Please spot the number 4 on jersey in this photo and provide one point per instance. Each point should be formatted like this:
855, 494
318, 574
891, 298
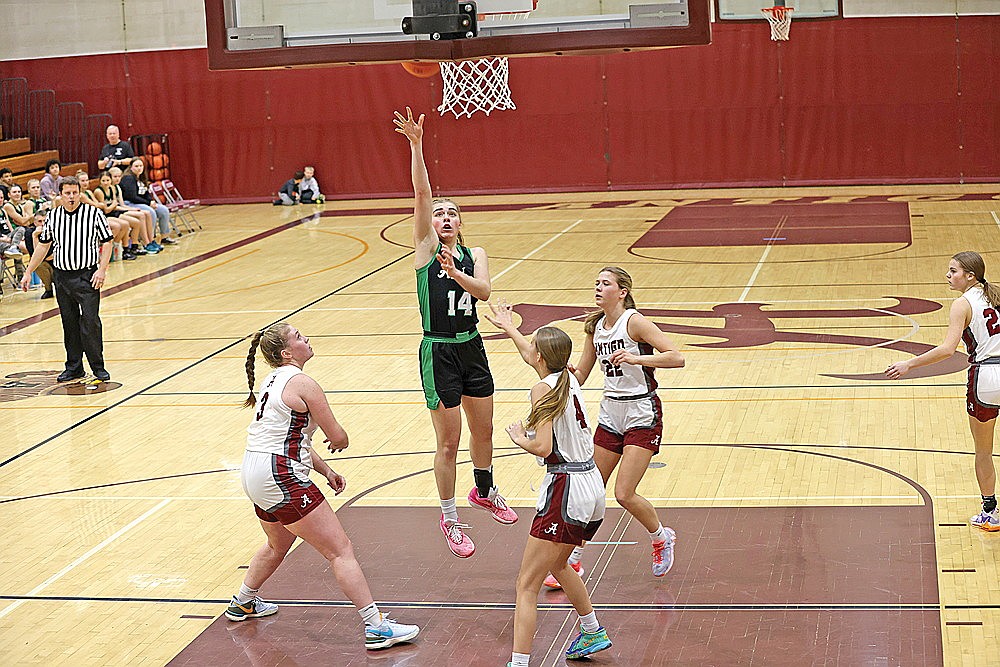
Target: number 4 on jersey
464, 303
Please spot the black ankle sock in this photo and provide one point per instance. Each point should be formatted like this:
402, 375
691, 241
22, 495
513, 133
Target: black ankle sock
989, 503
484, 480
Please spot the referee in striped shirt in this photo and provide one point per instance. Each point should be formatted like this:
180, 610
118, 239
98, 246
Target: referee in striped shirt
80, 239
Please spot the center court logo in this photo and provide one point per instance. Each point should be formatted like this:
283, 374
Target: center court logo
29, 384
748, 325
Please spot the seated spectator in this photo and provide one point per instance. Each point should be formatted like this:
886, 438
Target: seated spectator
8, 244
50, 181
8, 227
18, 212
116, 153
309, 189
289, 192
135, 192
43, 270
108, 197
18, 209
6, 180
119, 228
35, 196
146, 233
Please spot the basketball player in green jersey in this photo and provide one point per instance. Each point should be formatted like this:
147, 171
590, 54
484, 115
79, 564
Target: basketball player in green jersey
453, 367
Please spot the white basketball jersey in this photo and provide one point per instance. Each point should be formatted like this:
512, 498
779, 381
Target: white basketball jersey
625, 379
276, 428
982, 336
571, 437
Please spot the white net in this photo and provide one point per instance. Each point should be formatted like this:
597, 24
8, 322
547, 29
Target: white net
780, 19
469, 86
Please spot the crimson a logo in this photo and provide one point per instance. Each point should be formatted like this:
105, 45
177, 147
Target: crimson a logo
747, 325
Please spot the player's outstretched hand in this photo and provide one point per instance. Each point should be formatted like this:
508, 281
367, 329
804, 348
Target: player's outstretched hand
413, 129
501, 315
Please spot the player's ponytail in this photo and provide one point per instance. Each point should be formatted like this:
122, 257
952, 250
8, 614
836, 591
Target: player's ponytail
271, 341
254, 342
555, 346
991, 293
624, 281
972, 262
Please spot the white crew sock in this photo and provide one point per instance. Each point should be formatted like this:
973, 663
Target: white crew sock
589, 623
371, 615
449, 510
246, 594
576, 556
660, 535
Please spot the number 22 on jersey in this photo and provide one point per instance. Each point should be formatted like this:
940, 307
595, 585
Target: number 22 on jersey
992, 325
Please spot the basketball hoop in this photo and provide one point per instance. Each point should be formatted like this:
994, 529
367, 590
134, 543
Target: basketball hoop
780, 19
475, 85
483, 84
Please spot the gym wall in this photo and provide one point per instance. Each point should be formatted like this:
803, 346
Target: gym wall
860, 100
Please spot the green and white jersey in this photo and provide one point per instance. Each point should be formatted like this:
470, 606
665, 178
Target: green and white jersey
447, 311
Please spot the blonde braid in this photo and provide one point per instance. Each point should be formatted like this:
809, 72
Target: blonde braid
254, 342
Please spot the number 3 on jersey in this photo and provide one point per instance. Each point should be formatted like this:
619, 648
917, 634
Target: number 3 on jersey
263, 402
464, 303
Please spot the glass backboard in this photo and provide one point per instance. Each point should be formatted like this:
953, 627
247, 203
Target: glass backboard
245, 34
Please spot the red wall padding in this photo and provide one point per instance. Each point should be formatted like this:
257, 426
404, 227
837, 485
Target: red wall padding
900, 100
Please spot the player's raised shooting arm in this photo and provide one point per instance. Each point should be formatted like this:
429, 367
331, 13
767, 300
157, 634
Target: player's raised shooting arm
424, 237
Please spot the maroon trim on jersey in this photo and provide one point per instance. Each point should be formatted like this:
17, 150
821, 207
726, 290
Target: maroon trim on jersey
646, 348
300, 496
970, 343
553, 524
554, 456
976, 408
293, 439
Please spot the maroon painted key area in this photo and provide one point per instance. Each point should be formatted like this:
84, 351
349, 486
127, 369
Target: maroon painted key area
724, 224
765, 585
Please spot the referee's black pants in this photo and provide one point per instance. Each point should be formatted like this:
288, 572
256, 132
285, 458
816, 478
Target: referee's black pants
79, 303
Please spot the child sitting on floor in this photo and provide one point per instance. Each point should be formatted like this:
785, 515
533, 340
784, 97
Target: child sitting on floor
289, 192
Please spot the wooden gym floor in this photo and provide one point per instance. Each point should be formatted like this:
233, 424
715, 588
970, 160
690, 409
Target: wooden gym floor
821, 510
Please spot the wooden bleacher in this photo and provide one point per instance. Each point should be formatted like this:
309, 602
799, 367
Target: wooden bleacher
16, 155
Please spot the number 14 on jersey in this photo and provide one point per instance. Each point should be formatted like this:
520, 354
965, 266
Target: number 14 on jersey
464, 303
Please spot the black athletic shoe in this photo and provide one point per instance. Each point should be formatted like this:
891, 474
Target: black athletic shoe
69, 376
47, 294
102, 375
